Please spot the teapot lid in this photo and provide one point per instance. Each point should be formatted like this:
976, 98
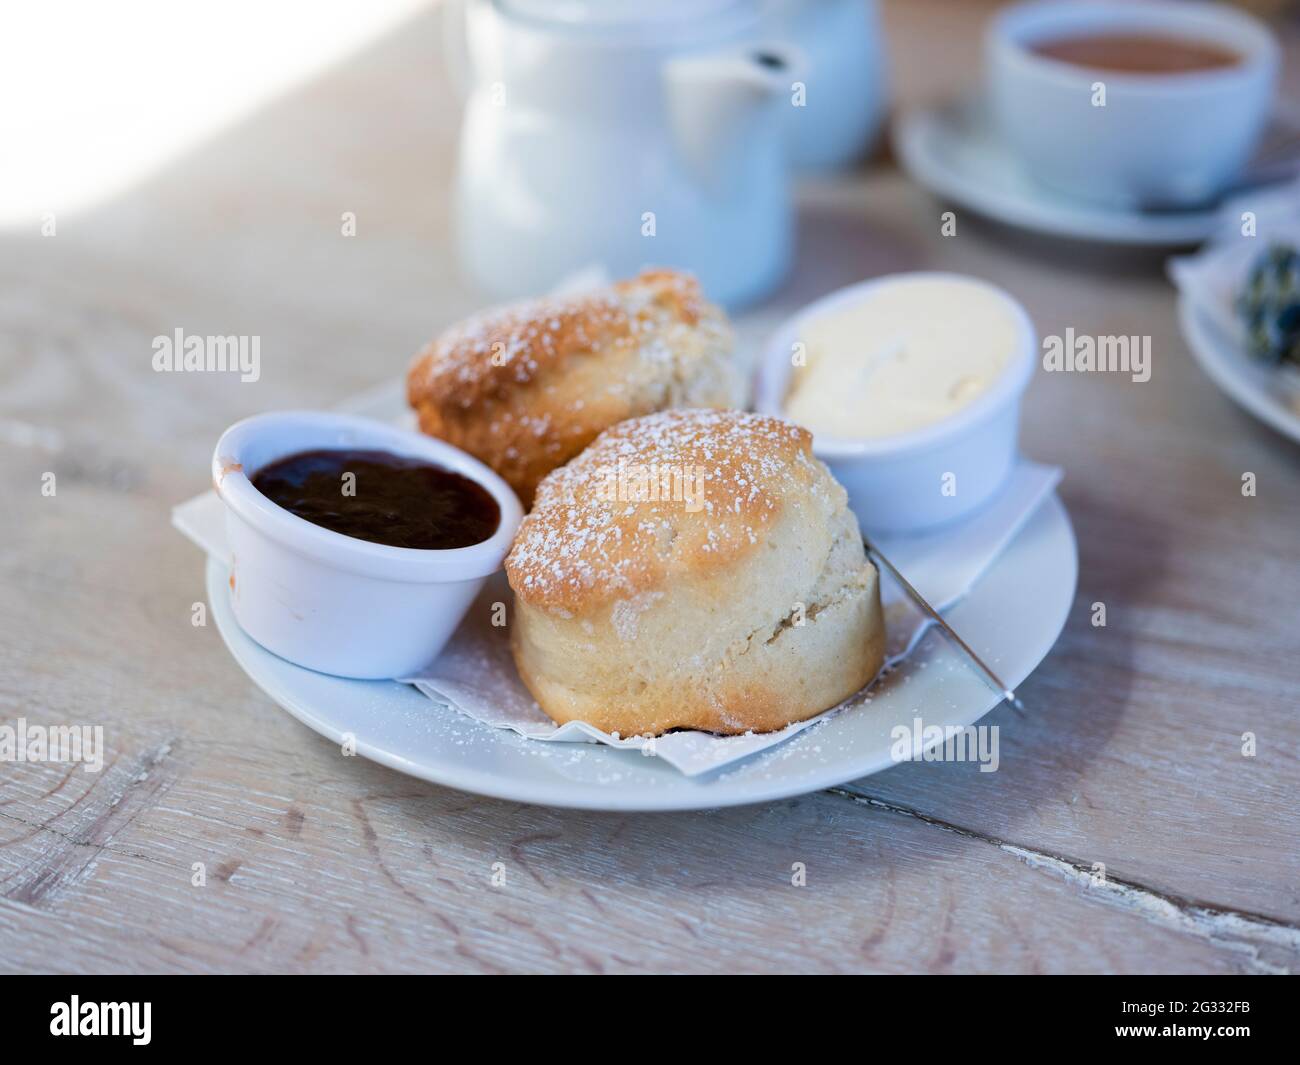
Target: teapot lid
623, 14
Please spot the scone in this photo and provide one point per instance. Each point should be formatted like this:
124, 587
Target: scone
528, 386
693, 569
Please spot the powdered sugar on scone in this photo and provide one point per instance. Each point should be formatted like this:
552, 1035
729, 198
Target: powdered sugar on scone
653, 497
525, 387
693, 569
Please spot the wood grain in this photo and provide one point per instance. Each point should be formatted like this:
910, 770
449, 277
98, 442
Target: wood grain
1130, 755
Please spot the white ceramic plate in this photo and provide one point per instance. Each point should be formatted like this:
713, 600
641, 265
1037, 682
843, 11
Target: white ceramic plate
1269, 395
953, 151
1012, 617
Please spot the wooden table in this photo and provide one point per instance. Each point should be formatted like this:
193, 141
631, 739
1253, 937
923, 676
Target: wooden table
1131, 755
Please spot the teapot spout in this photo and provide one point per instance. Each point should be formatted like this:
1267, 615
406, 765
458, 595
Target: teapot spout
717, 101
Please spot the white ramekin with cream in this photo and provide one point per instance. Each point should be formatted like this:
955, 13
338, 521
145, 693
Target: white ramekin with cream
911, 385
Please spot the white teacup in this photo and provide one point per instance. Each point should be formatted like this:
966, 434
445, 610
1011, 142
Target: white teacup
1157, 140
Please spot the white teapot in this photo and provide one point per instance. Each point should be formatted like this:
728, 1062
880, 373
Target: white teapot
618, 134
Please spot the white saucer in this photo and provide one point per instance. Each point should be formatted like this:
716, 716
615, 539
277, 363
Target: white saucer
954, 152
1264, 392
1012, 618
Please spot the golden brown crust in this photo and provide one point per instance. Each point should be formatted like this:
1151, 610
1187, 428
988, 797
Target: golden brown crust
486, 356
594, 535
528, 386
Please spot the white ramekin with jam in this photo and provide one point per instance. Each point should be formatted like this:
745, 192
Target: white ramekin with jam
356, 547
